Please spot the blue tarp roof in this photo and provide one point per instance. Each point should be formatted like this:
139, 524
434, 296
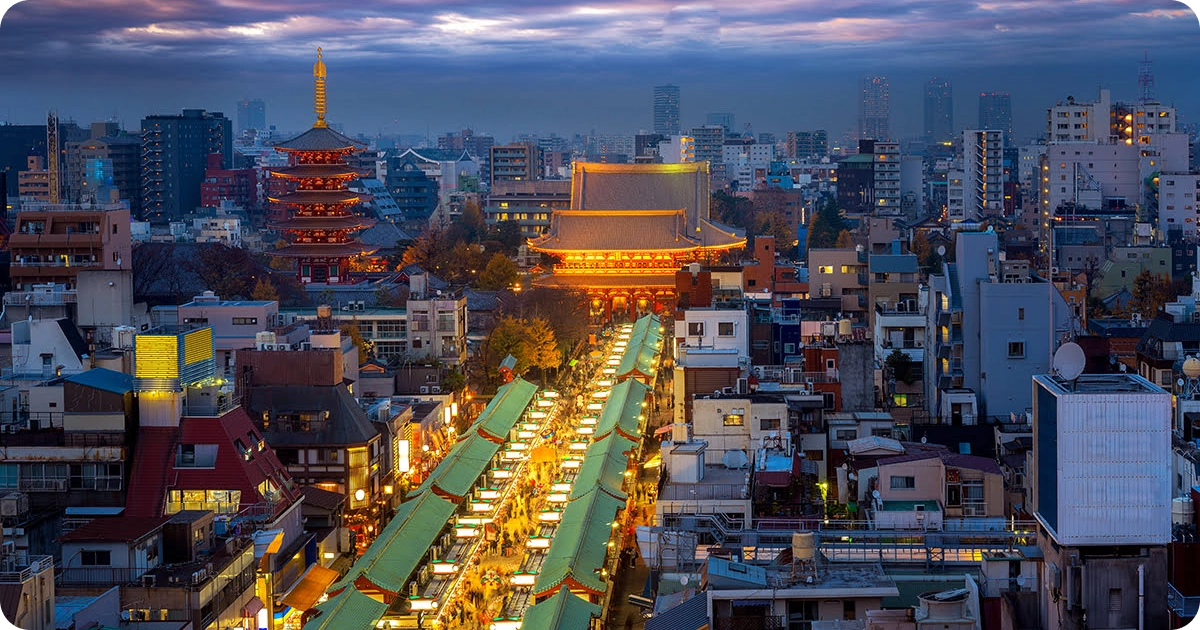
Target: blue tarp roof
104, 379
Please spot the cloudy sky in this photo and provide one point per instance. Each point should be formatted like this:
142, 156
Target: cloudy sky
512, 66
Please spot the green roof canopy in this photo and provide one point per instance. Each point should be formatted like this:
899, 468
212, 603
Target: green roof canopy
580, 544
462, 466
348, 610
501, 415
564, 611
603, 468
623, 409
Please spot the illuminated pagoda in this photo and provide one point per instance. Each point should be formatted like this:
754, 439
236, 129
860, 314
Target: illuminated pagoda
630, 227
320, 222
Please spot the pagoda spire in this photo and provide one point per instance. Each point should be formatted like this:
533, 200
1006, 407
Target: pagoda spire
319, 90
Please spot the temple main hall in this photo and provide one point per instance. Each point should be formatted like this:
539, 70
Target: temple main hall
629, 228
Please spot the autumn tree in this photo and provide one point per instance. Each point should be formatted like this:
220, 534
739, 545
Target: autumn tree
1150, 292
844, 240
927, 258
540, 347
264, 290
500, 273
365, 349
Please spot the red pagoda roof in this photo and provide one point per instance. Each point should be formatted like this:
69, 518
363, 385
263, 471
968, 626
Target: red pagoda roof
302, 171
326, 250
320, 139
326, 197
346, 222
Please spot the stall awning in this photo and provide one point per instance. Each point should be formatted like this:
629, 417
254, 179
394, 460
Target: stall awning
309, 588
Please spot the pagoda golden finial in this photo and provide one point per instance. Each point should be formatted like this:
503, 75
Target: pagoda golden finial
319, 90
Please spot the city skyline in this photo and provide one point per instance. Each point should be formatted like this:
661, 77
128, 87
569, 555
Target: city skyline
552, 67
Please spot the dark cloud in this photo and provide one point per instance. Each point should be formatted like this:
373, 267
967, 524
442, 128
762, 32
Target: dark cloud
541, 65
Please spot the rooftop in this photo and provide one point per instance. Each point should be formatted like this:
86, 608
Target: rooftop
1099, 384
117, 529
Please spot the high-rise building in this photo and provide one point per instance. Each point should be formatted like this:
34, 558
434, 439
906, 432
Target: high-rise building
666, 110
939, 111
251, 114
983, 174
803, 145
995, 112
874, 110
516, 162
175, 150
725, 119
710, 145
885, 194
109, 161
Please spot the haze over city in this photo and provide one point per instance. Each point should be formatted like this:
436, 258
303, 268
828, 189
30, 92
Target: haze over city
512, 67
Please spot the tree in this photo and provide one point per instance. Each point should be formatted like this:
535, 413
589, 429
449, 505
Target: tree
844, 240
1150, 292
500, 273
825, 226
508, 233
364, 347
927, 258
264, 290
540, 347
901, 366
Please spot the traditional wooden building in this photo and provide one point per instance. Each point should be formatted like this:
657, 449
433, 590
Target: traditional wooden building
630, 227
320, 219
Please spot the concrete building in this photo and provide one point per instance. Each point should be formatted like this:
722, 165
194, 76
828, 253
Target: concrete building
251, 114
988, 323
995, 113
803, 145
1177, 205
874, 110
529, 203
983, 175
52, 243
96, 166
33, 183
666, 109
239, 186
840, 274
677, 150
885, 192
939, 111
235, 324
1102, 497
515, 162
709, 146
896, 320
175, 150
27, 591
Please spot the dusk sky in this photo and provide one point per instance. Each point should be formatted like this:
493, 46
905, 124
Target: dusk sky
512, 66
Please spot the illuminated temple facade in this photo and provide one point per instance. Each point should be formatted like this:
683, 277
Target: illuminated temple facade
629, 228
320, 220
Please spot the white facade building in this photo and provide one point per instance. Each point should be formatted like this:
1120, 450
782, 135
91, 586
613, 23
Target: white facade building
677, 150
1177, 208
887, 179
983, 173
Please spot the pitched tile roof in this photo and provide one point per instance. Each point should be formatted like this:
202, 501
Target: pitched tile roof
347, 423
617, 230
321, 139
323, 499
580, 545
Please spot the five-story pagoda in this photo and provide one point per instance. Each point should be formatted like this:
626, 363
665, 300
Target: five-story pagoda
320, 221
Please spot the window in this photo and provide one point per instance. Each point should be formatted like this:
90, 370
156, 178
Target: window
95, 558
814, 456
825, 269
903, 483
1021, 314
245, 321
725, 329
734, 420
1016, 349
846, 434
830, 400
884, 433
695, 328
769, 424
9, 476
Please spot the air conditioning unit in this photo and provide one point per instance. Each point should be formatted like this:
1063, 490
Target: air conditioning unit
424, 389
149, 581
743, 385
910, 306
920, 344
10, 547
435, 389
307, 345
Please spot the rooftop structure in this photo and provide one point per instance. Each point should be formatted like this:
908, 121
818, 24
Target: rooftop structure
322, 220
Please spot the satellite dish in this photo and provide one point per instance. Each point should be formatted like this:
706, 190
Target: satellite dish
924, 440
875, 494
1069, 361
1179, 382
1021, 581
1191, 367
941, 250
735, 459
683, 579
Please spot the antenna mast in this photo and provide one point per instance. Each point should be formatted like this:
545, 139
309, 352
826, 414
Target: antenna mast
52, 155
1146, 80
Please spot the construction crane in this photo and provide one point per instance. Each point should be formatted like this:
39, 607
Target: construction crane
52, 169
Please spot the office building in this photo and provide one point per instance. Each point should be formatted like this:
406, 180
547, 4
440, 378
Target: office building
251, 114
709, 146
110, 162
1101, 470
666, 110
239, 186
1177, 205
175, 150
995, 113
874, 109
516, 162
939, 111
530, 203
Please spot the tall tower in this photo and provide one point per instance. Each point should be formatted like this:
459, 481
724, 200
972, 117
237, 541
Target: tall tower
939, 110
1146, 80
995, 113
874, 110
321, 221
666, 110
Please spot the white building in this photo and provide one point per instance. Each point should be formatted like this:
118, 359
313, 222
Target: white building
983, 173
955, 203
1029, 159
716, 328
887, 179
1177, 208
677, 150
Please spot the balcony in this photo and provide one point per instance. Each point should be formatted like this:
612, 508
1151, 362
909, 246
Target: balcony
20, 568
1182, 605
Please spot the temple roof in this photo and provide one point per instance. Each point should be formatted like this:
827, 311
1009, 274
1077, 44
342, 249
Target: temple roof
345, 222
317, 250
604, 187
327, 197
299, 171
618, 230
320, 139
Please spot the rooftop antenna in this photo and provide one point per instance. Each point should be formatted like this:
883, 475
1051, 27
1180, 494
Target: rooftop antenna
1146, 80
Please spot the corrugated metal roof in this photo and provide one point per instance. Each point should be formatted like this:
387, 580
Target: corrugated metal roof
893, 263
104, 379
348, 610
690, 615
394, 555
580, 544
564, 611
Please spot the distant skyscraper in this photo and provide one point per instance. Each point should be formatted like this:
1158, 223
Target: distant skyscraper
175, 150
874, 111
995, 112
806, 144
725, 119
251, 114
939, 111
666, 110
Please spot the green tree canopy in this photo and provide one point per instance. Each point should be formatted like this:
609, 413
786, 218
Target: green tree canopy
500, 273
1150, 292
825, 227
